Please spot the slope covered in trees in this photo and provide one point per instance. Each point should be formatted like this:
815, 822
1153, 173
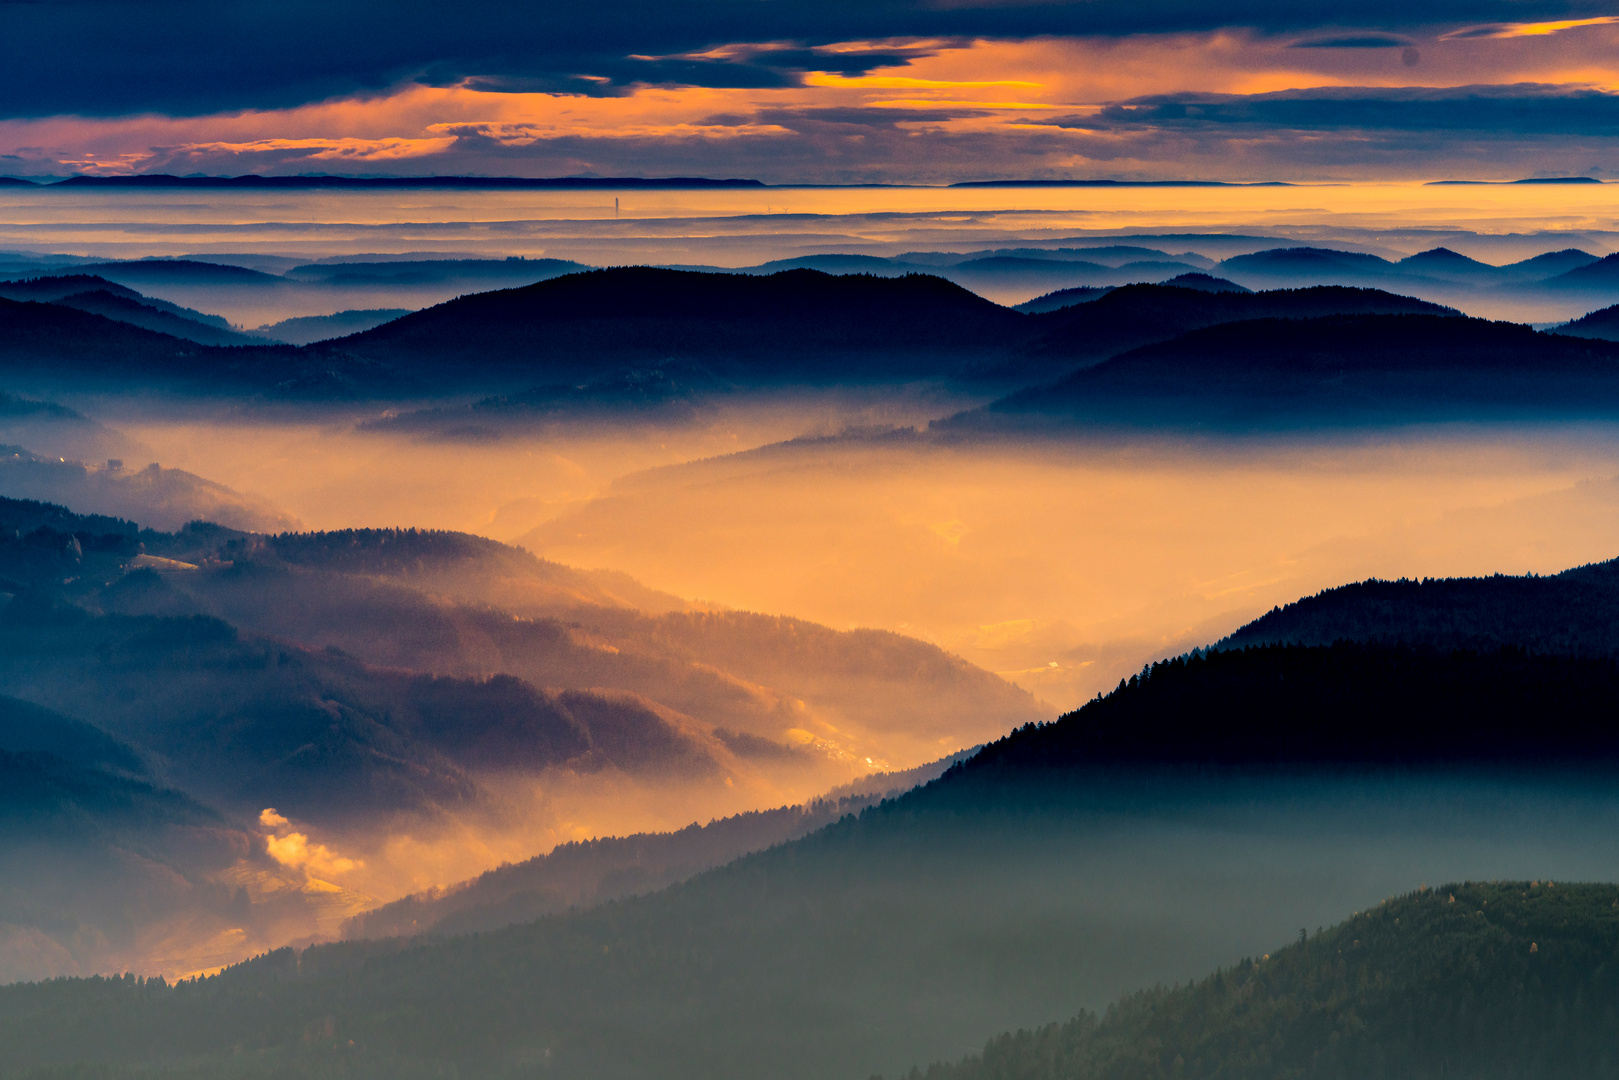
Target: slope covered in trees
370, 680
1062, 867
590, 872
1574, 613
1502, 980
794, 326
1338, 369
1138, 315
1603, 324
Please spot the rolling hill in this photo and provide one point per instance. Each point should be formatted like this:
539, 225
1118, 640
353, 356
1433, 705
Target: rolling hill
591, 872
1573, 613
1309, 266
794, 326
1338, 369
375, 683
1602, 324
1511, 980
1137, 315
1058, 869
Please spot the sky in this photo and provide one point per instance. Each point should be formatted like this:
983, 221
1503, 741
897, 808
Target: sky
837, 91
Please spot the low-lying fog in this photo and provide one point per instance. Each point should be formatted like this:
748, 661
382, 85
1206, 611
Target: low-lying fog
1061, 565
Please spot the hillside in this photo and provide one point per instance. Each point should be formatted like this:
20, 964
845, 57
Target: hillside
484, 273
590, 872
1367, 704
1603, 323
373, 683
1043, 877
1598, 275
793, 326
1574, 613
1309, 265
1505, 980
61, 346
646, 340
136, 272
97, 854
149, 317
1139, 315
1062, 298
45, 337
1339, 369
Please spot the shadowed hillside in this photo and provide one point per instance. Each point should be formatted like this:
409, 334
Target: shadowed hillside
1046, 875
1138, 315
377, 683
1506, 980
798, 325
592, 872
1603, 324
1574, 613
1340, 369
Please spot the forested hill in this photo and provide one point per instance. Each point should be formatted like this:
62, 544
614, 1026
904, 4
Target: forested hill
1498, 981
1347, 703
1574, 613
1352, 369
1045, 876
791, 326
1136, 315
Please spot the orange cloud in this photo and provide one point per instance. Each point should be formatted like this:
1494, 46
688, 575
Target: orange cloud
295, 850
331, 149
985, 89
1540, 29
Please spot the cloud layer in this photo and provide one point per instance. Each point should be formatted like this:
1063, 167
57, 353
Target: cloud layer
886, 90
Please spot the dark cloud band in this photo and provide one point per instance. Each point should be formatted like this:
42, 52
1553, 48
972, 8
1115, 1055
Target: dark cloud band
189, 57
1503, 110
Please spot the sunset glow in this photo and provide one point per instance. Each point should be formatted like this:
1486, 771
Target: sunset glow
966, 102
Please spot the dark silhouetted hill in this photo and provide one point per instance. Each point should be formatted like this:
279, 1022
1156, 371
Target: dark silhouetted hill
1055, 301
1510, 980
1603, 325
1205, 283
27, 728
54, 287
1601, 274
1367, 704
178, 272
1310, 266
47, 337
800, 325
1573, 613
59, 345
1548, 264
307, 329
150, 317
1340, 369
59, 287
1136, 315
484, 272
1443, 264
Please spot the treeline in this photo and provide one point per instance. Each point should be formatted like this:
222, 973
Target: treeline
386, 551
1574, 613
